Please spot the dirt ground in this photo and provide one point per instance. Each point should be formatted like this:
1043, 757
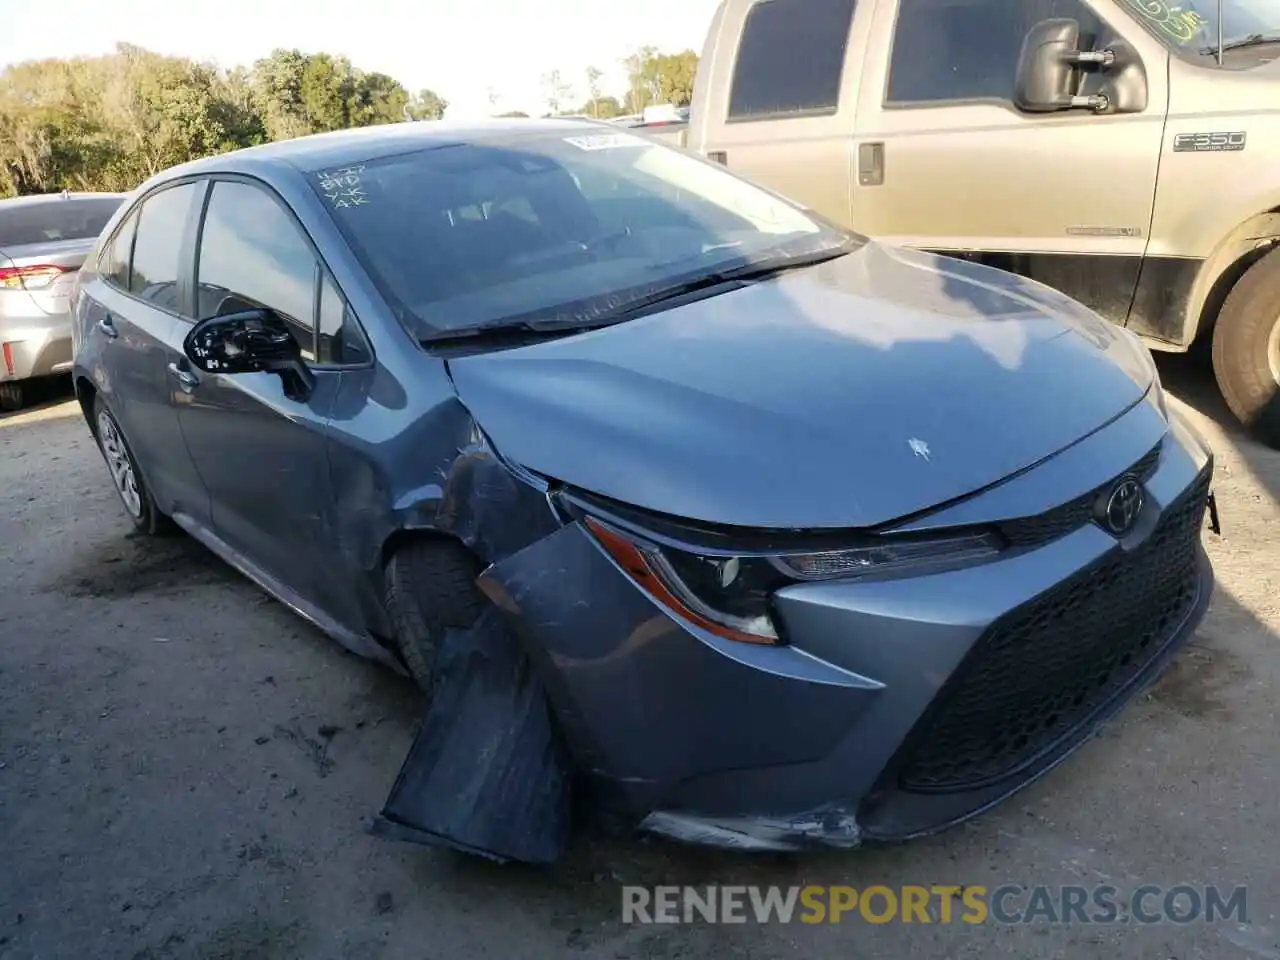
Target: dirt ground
187, 770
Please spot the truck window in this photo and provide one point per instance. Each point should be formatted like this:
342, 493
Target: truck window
968, 49
790, 58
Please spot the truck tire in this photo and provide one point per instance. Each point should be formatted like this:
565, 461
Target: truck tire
1246, 349
429, 587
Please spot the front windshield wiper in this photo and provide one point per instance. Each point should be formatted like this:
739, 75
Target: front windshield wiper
1253, 40
516, 332
513, 333
752, 270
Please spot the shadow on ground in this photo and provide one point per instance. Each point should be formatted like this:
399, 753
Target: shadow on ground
43, 394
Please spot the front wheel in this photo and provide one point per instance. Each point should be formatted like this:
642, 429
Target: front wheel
429, 588
1246, 349
125, 476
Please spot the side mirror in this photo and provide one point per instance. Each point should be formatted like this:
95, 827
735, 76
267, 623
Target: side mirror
249, 341
1047, 69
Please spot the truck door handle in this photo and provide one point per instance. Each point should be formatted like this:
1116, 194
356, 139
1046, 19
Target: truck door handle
186, 379
107, 327
871, 164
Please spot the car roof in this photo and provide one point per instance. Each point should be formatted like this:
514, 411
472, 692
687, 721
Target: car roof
36, 198
322, 151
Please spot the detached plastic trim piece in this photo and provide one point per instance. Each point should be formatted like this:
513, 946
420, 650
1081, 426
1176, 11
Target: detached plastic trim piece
487, 774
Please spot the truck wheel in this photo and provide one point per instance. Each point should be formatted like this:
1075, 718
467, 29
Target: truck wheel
1246, 349
429, 586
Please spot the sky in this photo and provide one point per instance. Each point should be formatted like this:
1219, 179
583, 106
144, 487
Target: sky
462, 49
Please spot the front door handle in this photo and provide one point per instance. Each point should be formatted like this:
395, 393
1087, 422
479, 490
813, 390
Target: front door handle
186, 379
107, 327
871, 164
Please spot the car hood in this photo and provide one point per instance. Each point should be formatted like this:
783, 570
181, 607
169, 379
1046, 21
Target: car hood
848, 394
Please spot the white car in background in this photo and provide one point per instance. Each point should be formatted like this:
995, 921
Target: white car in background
43, 241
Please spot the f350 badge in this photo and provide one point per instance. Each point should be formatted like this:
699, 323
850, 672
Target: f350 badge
1209, 142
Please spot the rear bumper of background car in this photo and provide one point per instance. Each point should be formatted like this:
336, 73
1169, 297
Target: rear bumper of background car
898, 707
35, 346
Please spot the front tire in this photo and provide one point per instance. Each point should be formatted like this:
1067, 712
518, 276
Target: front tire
1246, 350
429, 587
126, 478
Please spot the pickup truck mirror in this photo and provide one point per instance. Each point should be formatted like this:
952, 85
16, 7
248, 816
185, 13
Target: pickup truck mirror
1047, 68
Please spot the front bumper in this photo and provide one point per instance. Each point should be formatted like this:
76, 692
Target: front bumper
899, 707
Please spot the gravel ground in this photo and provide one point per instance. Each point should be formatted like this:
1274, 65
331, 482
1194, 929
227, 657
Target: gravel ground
186, 770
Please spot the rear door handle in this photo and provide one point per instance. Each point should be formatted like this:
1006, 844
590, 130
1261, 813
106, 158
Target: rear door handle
108, 327
186, 379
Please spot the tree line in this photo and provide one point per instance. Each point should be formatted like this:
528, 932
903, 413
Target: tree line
109, 122
653, 77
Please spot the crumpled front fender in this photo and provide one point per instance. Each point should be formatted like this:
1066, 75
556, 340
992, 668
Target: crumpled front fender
644, 701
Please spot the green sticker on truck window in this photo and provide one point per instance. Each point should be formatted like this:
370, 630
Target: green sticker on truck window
1177, 21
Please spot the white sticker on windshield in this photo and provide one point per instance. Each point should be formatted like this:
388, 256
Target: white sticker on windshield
606, 141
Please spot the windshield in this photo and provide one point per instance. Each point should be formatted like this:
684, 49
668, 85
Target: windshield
551, 226
57, 218
1193, 24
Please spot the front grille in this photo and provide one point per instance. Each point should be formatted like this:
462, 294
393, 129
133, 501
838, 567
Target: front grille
1040, 671
1058, 522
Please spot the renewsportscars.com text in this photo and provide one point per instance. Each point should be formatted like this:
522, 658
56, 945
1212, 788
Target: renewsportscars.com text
936, 904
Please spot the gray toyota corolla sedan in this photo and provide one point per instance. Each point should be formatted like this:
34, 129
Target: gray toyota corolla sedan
806, 539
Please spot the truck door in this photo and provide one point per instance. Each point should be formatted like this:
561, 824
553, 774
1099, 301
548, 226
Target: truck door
774, 99
946, 162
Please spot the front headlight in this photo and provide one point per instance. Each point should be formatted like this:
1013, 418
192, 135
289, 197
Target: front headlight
730, 593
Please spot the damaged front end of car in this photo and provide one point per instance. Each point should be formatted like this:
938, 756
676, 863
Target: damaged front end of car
790, 689
533, 707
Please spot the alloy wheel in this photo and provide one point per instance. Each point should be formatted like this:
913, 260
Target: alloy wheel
120, 463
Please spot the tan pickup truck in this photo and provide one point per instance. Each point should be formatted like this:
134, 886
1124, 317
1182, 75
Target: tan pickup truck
1126, 152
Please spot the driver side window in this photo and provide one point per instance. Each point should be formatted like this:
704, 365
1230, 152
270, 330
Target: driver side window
968, 49
252, 255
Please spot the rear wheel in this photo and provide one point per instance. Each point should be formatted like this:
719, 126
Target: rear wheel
1246, 349
125, 476
12, 395
430, 587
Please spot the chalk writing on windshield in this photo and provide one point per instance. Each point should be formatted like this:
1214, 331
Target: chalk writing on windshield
1173, 20
342, 187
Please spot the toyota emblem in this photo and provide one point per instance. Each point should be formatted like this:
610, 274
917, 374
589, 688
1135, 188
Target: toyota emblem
1119, 511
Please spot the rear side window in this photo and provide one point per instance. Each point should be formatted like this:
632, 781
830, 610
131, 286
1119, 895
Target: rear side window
58, 218
114, 264
968, 49
790, 59
157, 249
